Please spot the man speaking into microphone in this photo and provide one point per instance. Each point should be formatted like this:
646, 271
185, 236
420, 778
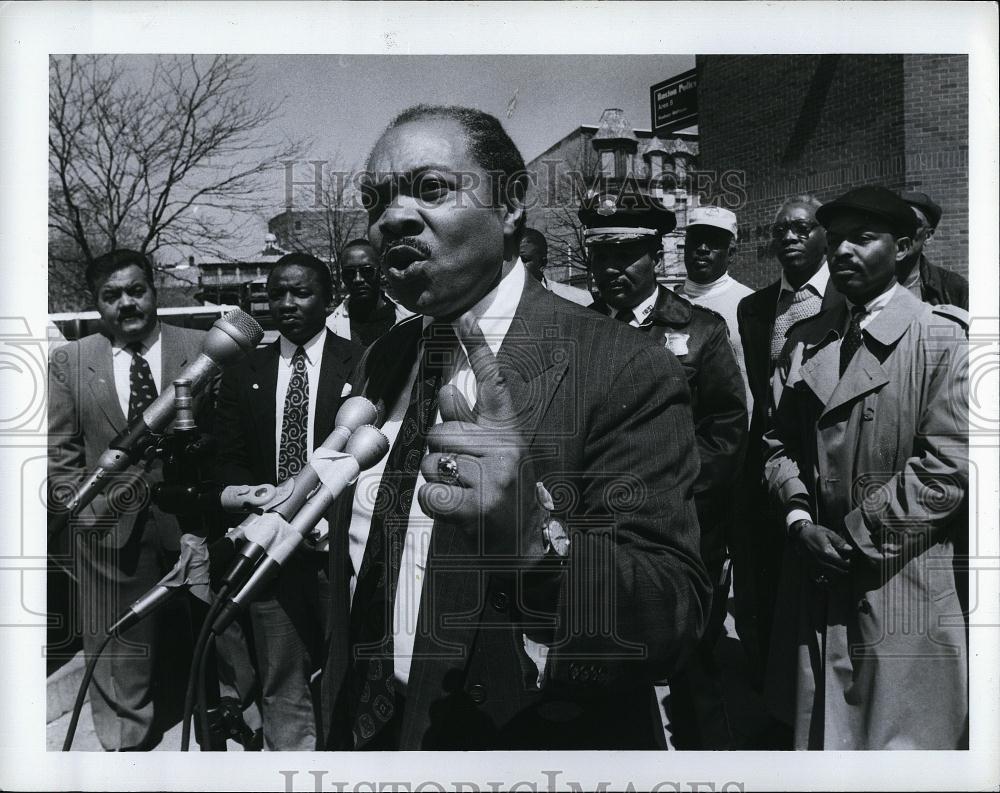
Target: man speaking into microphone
524, 563
123, 544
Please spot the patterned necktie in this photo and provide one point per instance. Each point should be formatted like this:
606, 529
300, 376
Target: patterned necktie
853, 340
792, 307
142, 387
625, 315
292, 454
372, 683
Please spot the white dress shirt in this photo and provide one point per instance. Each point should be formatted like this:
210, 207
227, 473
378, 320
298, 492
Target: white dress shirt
641, 312
121, 365
817, 283
314, 358
874, 306
494, 313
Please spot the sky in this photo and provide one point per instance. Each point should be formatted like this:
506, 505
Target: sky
340, 103
344, 101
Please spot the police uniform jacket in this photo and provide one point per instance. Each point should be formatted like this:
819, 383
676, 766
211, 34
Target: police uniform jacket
699, 338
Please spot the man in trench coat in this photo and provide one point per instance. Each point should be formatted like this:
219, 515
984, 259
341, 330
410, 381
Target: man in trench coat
868, 457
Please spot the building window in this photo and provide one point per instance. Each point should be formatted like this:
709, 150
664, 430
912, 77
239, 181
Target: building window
298, 225
608, 163
623, 164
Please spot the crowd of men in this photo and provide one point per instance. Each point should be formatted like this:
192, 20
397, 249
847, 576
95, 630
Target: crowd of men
575, 481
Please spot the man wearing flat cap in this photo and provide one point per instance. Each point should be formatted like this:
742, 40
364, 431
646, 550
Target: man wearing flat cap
623, 233
929, 282
868, 457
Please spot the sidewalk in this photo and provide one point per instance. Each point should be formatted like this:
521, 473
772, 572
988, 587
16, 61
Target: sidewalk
745, 709
62, 687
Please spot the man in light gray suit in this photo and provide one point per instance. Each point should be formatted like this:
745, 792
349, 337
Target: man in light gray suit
122, 545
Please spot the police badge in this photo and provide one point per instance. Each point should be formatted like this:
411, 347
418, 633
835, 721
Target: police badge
677, 343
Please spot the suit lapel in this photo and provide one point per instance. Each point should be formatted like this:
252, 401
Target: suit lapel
174, 356
863, 375
821, 356
759, 325
334, 370
262, 384
102, 385
536, 368
388, 364
533, 372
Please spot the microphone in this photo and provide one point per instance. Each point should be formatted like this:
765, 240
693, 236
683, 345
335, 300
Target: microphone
367, 446
294, 492
230, 338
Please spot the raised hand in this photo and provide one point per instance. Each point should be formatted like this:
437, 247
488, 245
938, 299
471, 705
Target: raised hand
477, 470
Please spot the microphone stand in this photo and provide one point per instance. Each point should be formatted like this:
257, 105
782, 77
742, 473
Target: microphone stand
183, 493
193, 499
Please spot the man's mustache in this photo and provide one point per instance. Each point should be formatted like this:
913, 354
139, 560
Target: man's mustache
410, 242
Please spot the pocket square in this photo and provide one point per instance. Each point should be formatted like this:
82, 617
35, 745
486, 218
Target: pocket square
346, 391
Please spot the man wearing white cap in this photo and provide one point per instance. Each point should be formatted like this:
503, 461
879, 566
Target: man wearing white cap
709, 240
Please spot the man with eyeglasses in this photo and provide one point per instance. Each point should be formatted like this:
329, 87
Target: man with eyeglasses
798, 242
925, 281
366, 313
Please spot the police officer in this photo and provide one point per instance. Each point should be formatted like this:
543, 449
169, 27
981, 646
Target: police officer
623, 232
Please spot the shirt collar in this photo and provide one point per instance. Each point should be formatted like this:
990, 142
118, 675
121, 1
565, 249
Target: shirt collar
148, 342
879, 302
817, 283
495, 311
313, 348
644, 309
700, 290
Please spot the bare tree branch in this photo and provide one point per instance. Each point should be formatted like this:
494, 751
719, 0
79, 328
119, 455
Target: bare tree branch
172, 153
576, 175
335, 216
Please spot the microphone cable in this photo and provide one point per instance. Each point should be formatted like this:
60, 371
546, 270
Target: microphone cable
81, 694
196, 673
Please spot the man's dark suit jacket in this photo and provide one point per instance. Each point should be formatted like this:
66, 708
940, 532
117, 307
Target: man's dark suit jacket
606, 417
245, 417
718, 405
85, 416
760, 553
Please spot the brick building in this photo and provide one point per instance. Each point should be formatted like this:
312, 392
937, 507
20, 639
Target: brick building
826, 123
